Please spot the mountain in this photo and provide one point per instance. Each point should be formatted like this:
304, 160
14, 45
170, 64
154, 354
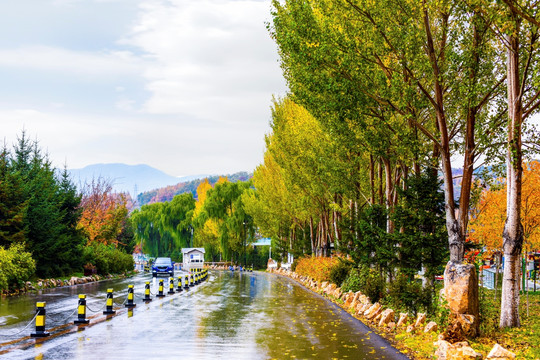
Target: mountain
134, 179
168, 192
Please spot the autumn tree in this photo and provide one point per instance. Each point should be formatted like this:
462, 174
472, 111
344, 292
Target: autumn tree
104, 212
488, 217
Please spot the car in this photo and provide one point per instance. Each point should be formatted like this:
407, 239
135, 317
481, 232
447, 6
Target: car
163, 266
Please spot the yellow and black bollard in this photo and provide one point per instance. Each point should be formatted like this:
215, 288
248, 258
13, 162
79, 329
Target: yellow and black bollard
40, 321
171, 286
147, 297
186, 283
179, 286
160, 289
130, 303
81, 311
109, 304
191, 282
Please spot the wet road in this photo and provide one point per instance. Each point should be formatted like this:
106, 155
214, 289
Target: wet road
231, 315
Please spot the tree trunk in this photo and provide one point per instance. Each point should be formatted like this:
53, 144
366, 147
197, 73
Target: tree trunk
388, 194
311, 238
513, 229
380, 173
372, 179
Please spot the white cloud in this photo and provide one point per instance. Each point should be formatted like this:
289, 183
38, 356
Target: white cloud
187, 88
212, 58
87, 64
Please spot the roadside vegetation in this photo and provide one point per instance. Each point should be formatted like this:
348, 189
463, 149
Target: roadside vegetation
50, 229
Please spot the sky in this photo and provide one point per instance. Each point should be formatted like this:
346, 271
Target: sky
184, 86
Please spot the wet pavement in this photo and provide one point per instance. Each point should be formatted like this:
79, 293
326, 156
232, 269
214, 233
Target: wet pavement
230, 316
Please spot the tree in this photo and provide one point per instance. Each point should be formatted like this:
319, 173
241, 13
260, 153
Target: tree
488, 218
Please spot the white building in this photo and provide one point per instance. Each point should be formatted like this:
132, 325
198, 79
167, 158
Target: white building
193, 258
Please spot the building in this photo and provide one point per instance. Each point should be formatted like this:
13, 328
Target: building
193, 258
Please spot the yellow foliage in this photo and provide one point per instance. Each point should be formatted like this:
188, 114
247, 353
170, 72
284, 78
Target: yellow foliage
487, 220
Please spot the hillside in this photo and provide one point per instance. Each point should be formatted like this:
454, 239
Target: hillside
168, 192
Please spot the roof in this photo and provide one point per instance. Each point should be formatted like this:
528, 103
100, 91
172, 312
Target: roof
263, 242
188, 250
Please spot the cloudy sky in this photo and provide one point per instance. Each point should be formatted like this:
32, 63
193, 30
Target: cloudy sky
181, 85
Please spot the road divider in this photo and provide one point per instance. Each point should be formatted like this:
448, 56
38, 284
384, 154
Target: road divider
82, 306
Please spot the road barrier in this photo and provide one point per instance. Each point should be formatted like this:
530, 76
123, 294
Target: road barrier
160, 289
81, 311
40, 321
109, 303
130, 296
147, 297
179, 288
40, 316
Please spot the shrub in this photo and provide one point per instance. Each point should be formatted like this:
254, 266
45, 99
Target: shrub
408, 295
339, 272
107, 259
366, 280
16, 266
317, 268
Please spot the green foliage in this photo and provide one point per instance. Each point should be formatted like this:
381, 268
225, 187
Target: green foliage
16, 266
408, 295
41, 209
420, 217
107, 259
340, 271
366, 280
164, 228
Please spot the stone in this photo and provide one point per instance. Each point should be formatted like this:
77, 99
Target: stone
337, 293
403, 317
53, 282
461, 289
364, 299
500, 353
410, 328
73, 281
330, 289
420, 319
363, 307
391, 325
324, 284
468, 324
387, 316
457, 351
431, 326
373, 311
378, 317
349, 297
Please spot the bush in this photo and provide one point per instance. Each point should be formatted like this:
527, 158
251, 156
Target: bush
315, 267
339, 272
404, 294
16, 266
366, 280
107, 259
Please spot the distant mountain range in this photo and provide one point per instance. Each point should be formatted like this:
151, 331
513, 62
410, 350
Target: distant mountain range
134, 179
167, 193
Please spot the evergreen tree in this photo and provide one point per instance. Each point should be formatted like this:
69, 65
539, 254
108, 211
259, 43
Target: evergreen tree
12, 206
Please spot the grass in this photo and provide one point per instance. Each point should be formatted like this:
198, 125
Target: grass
523, 341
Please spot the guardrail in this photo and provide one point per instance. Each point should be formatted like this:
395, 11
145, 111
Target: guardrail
108, 309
